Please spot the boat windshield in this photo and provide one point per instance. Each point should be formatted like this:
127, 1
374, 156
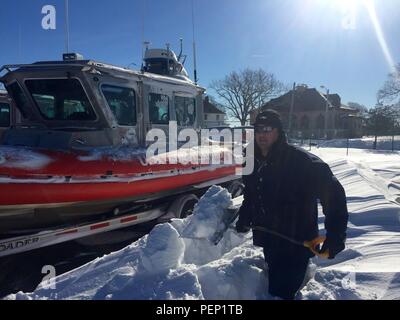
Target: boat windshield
61, 99
159, 66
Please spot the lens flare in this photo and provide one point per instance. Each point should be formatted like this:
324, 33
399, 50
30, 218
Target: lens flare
370, 6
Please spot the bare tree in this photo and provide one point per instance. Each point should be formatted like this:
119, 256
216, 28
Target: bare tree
245, 91
391, 89
383, 120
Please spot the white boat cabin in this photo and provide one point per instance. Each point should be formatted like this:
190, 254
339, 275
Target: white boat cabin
78, 103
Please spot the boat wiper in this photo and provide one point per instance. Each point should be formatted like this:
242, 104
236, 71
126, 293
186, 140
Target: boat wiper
67, 128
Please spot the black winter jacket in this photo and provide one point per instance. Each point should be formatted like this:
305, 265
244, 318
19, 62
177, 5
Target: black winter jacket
282, 192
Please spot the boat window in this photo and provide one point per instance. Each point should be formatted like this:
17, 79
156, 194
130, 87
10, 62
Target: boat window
122, 103
61, 99
157, 66
185, 111
20, 98
158, 108
4, 114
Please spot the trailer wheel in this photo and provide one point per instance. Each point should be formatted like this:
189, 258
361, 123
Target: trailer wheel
183, 206
236, 188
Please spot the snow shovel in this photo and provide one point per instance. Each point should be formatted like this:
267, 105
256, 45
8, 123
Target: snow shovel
230, 216
310, 244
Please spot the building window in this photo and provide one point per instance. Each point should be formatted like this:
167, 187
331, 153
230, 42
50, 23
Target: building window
294, 122
305, 123
217, 117
158, 108
206, 117
320, 122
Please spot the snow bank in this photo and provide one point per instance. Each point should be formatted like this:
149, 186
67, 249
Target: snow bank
174, 261
383, 143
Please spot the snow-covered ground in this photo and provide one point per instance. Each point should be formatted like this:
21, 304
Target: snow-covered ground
175, 261
383, 143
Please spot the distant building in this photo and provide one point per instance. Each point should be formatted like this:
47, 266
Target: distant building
309, 111
213, 116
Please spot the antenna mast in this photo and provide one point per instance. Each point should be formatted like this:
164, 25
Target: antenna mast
66, 26
194, 46
144, 43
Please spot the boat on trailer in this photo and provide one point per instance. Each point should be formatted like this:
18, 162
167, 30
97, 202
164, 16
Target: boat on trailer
78, 151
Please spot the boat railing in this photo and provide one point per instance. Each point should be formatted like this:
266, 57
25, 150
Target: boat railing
11, 67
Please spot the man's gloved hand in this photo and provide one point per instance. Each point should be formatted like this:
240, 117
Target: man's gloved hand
334, 245
240, 228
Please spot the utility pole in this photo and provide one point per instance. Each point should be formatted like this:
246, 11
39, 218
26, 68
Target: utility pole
326, 114
291, 110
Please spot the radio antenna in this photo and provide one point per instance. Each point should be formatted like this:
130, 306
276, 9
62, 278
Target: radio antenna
194, 46
66, 25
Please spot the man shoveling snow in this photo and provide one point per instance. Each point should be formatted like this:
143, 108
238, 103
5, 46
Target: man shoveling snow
280, 205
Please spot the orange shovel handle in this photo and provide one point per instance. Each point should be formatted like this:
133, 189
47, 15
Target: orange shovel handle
312, 245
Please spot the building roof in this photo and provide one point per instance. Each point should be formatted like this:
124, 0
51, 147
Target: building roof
305, 99
211, 108
348, 109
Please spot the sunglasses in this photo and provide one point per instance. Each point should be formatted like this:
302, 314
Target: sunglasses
263, 129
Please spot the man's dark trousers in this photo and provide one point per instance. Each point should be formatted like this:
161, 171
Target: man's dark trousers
286, 272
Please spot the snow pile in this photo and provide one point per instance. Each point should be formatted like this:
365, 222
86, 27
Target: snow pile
171, 263
163, 250
120, 153
176, 261
207, 214
199, 228
22, 158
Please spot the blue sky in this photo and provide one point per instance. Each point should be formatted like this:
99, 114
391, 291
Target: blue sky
303, 41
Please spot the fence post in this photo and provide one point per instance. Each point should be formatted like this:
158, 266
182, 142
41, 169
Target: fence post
393, 143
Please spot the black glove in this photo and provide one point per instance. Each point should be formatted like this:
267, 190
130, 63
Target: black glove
240, 228
334, 245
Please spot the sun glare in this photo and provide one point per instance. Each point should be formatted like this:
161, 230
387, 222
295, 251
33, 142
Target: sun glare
350, 9
369, 4
347, 4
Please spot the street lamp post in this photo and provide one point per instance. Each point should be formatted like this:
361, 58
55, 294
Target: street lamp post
291, 111
326, 112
